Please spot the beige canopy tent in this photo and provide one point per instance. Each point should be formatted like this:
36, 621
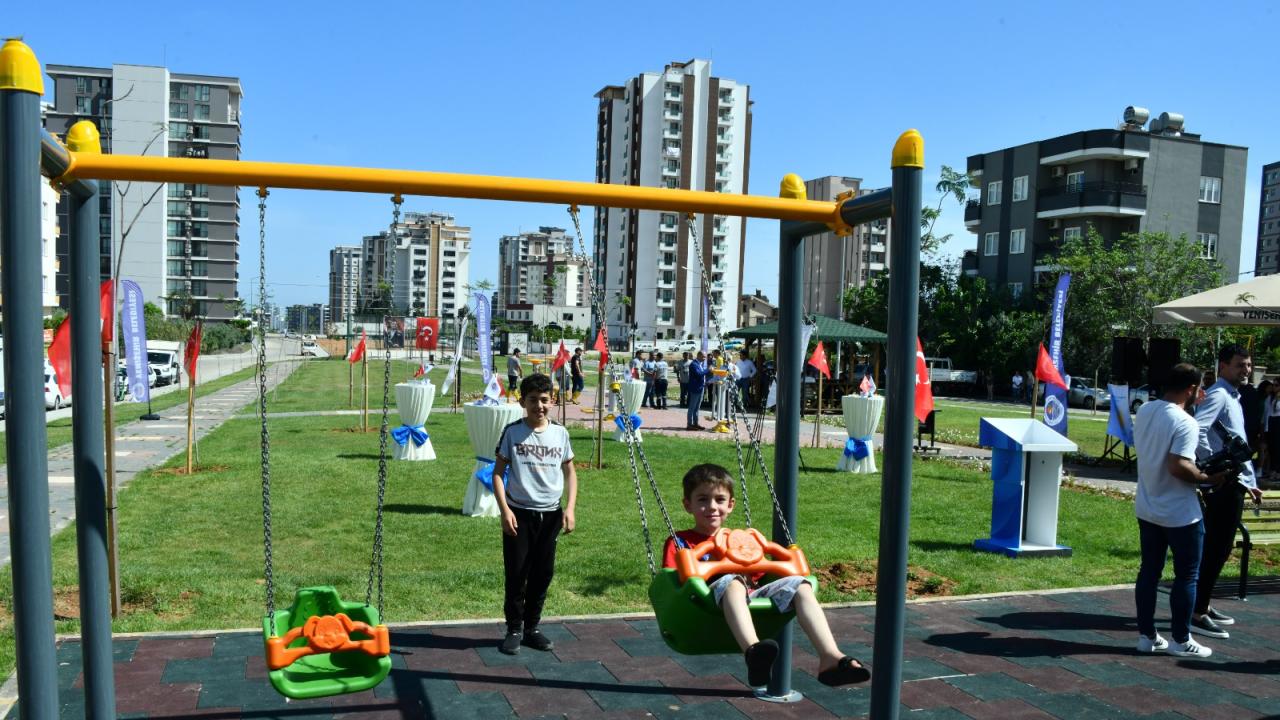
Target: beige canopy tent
1253, 302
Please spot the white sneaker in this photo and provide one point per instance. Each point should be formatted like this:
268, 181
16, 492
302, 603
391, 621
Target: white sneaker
1190, 648
1152, 645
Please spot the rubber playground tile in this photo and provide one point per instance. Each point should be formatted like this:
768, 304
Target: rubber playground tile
851, 701
1077, 705
708, 689
945, 713
645, 646
708, 665
604, 650
1137, 701
560, 702
664, 670
806, 709
175, 699
238, 645
993, 686
494, 679
175, 648
1008, 709
599, 631
477, 706
493, 657
1200, 692
922, 668
964, 664
925, 694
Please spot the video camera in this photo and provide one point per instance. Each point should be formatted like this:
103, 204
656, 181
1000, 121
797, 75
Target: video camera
1231, 458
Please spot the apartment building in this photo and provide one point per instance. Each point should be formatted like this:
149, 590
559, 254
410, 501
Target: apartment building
345, 262
540, 267
426, 268
1136, 178
756, 310
834, 263
678, 128
181, 244
308, 319
1267, 255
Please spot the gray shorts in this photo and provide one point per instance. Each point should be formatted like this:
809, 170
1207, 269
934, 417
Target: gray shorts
781, 591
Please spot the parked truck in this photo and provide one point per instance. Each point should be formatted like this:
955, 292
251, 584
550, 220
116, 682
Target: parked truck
165, 357
946, 379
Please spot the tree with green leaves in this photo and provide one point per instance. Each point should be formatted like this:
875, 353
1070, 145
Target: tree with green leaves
951, 184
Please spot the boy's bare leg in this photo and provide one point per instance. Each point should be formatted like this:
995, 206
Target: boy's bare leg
738, 616
814, 623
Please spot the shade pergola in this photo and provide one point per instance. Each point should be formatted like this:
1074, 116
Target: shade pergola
828, 329
1253, 302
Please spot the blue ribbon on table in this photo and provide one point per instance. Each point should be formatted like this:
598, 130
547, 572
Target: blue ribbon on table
635, 423
485, 474
856, 448
403, 433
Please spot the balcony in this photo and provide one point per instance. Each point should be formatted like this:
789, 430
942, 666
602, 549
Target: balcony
974, 167
1113, 199
672, 113
726, 100
671, 152
724, 138
1095, 145
724, 119
672, 171
973, 214
671, 132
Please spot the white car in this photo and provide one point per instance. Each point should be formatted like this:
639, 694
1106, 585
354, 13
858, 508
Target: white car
310, 348
53, 399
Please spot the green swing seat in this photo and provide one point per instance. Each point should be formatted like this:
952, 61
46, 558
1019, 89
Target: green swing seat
324, 674
692, 624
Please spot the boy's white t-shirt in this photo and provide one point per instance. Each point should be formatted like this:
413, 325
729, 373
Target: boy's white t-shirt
1161, 429
536, 480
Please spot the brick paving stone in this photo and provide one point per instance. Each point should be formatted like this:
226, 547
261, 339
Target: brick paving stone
924, 694
1008, 709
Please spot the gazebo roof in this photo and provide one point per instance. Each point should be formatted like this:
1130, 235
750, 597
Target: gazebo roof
828, 329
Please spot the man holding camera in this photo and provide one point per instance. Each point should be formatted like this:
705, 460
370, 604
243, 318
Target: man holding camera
1169, 514
1221, 421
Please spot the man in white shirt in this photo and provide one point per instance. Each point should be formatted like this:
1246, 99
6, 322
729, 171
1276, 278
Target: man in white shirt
746, 371
1168, 510
1016, 382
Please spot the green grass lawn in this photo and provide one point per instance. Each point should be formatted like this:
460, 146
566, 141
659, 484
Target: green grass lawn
191, 548
59, 431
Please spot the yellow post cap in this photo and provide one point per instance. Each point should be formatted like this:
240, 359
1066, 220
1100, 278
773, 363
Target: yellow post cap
792, 187
19, 69
909, 150
83, 138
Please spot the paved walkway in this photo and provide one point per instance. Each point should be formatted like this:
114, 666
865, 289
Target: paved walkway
1046, 655
141, 445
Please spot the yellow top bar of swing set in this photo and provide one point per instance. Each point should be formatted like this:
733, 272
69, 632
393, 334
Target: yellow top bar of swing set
87, 166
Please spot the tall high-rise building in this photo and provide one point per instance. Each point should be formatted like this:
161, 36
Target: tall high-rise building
1267, 256
540, 267
426, 270
344, 281
833, 263
307, 319
1160, 178
679, 128
182, 244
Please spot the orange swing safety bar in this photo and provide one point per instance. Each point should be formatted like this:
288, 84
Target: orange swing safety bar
740, 551
327, 634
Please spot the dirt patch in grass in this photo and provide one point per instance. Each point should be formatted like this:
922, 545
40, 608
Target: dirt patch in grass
182, 470
860, 577
66, 603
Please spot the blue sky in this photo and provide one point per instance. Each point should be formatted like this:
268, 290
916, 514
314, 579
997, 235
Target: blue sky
508, 90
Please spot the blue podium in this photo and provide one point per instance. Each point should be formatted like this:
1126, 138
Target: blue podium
1026, 469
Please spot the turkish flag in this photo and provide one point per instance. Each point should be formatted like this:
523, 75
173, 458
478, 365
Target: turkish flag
357, 352
603, 347
60, 356
192, 353
105, 298
924, 385
1046, 371
819, 361
562, 357
428, 334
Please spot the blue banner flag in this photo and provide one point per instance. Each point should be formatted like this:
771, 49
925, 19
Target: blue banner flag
1120, 425
484, 337
1055, 398
133, 325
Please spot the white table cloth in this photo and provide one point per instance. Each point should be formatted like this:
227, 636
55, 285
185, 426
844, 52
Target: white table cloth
632, 395
413, 400
861, 416
484, 427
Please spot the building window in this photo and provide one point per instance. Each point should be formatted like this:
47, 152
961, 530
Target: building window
1017, 241
994, 190
177, 248
992, 245
1020, 188
175, 267
1210, 189
202, 93
1015, 289
83, 105
1208, 245
179, 110
202, 111
1072, 233
1075, 181
82, 84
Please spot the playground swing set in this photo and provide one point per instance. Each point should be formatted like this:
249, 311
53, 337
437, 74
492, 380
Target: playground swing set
322, 645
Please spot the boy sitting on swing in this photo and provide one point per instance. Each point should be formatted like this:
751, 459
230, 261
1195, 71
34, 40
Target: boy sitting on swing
708, 497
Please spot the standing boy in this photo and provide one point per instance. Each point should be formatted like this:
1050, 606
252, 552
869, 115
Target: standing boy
660, 372
575, 370
514, 371
541, 461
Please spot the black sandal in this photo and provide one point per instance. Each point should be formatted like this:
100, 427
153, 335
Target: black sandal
760, 659
847, 672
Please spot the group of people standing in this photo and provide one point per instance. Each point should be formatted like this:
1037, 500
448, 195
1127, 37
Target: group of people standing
694, 373
1183, 509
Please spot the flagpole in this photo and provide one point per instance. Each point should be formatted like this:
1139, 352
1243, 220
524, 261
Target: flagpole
191, 412
1035, 390
351, 382
817, 419
364, 376
600, 418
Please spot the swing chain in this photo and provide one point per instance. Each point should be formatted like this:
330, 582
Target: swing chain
375, 562
595, 291
764, 470
633, 447
262, 403
742, 466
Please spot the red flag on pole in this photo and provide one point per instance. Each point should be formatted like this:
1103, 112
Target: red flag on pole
819, 361
924, 385
603, 347
1046, 371
357, 352
105, 298
562, 357
60, 356
421, 371
192, 353
428, 334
